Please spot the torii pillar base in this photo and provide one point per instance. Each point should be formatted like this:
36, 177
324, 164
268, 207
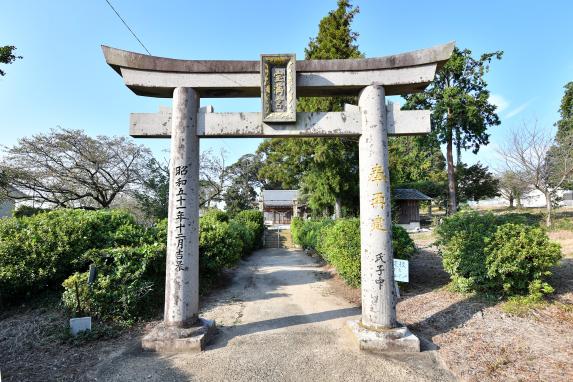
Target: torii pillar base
165, 339
395, 340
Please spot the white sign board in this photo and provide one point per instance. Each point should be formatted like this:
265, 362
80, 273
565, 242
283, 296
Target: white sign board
401, 270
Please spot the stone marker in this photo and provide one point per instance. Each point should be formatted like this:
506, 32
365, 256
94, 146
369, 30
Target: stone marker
80, 324
372, 120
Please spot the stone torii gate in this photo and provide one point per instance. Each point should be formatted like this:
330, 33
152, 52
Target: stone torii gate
278, 80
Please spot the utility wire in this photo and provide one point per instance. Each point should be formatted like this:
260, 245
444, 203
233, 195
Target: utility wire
127, 26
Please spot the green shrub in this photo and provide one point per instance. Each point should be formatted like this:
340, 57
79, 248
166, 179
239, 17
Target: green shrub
44, 249
495, 254
310, 232
462, 247
402, 244
295, 229
254, 220
25, 210
129, 283
339, 244
220, 245
518, 259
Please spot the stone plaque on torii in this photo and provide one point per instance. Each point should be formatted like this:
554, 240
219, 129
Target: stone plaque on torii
278, 80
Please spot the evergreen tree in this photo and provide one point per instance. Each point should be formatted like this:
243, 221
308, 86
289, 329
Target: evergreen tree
325, 169
565, 124
461, 111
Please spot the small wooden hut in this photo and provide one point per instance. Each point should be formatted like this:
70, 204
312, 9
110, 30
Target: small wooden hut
408, 203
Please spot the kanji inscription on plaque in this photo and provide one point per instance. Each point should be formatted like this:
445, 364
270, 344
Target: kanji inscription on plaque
278, 87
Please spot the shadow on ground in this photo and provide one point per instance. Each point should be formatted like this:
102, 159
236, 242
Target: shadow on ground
277, 323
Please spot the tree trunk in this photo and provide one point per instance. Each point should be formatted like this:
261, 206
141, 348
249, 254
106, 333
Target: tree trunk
548, 207
518, 198
510, 200
452, 205
338, 208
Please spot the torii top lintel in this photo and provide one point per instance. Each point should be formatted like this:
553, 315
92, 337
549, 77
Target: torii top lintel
154, 76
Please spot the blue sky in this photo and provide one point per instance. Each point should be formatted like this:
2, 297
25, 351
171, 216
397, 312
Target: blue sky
63, 79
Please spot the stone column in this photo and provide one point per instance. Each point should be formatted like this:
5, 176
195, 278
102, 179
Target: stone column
378, 295
182, 330
182, 274
377, 330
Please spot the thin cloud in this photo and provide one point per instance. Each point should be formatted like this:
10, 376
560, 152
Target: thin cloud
499, 101
518, 110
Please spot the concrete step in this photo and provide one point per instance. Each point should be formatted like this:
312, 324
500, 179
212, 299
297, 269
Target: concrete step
281, 239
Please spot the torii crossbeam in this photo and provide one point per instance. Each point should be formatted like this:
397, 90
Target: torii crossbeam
278, 79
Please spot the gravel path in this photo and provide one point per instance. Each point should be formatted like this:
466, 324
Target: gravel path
279, 319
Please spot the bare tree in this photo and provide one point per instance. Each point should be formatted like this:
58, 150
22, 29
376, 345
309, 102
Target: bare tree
68, 168
213, 177
512, 187
541, 162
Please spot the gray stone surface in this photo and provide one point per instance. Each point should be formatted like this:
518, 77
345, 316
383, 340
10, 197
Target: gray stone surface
157, 76
395, 340
347, 123
376, 258
166, 339
182, 263
279, 319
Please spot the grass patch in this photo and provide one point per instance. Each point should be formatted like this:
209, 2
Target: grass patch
521, 305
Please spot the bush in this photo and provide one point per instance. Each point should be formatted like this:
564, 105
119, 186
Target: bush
309, 232
220, 244
488, 253
42, 250
461, 240
296, 224
339, 244
519, 258
254, 220
129, 282
25, 210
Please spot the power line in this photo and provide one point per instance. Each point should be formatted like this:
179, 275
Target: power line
127, 26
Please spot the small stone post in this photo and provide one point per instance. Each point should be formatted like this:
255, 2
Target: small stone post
378, 329
181, 329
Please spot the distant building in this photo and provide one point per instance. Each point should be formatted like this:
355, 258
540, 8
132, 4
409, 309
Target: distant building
532, 198
279, 206
408, 203
8, 204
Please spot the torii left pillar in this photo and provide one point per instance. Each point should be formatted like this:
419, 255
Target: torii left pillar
182, 330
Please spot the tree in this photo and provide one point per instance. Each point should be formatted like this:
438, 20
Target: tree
153, 197
476, 182
415, 159
241, 194
325, 169
512, 186
68, 168
213, 178
565, 123
461, 111
527, 154
7, 56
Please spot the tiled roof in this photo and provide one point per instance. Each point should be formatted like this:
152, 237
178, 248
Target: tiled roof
279, 197
409, 194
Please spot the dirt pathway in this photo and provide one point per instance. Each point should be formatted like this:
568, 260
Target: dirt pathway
279, 320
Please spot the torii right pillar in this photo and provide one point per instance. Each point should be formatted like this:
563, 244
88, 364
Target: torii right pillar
378, 329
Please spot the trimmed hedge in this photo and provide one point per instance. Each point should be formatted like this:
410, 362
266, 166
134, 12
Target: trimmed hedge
40, 251
496, 254
131, 280
254, 221
338, 242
